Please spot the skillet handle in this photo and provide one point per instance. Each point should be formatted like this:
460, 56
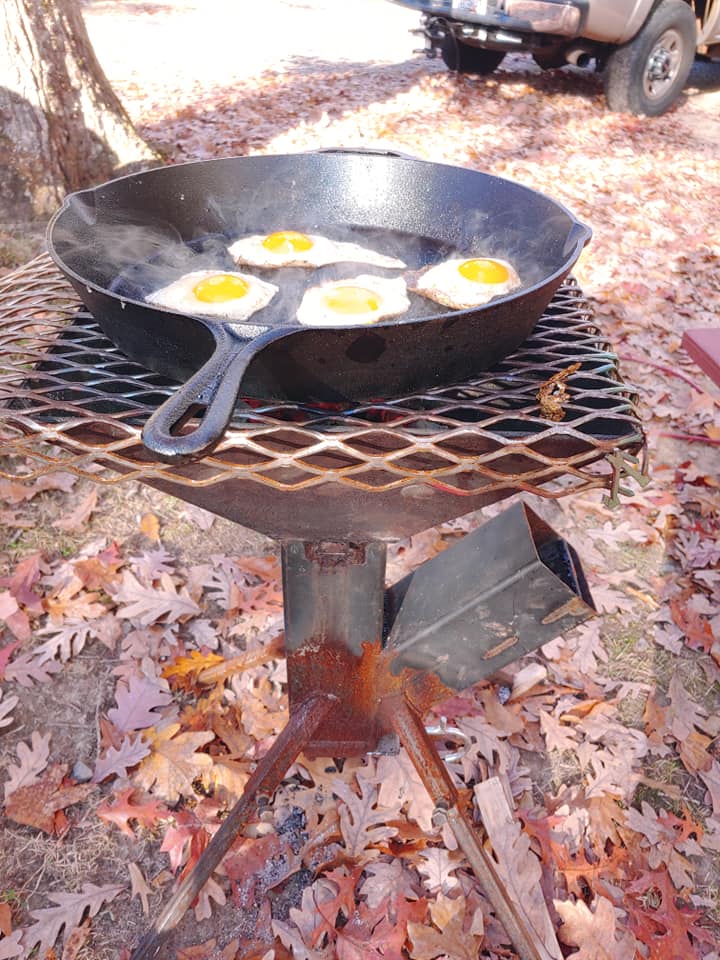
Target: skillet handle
215, 386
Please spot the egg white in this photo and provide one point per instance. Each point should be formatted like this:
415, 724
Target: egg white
392, 294
444, 284
179, 296
250, 251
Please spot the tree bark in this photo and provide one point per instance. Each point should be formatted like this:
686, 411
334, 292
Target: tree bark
62, 127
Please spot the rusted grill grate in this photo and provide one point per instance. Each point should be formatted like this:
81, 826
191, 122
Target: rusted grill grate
70, 400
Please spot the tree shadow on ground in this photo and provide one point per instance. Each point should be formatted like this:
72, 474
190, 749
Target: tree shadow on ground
248, 115
309, 92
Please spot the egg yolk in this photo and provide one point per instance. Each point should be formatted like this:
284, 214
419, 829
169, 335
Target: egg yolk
287, 241
483, 271
220, 287
351, 300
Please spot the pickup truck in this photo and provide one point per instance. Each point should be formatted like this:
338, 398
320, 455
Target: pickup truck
645, 48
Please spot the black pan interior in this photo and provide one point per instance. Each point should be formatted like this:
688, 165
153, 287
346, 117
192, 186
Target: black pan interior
138, 233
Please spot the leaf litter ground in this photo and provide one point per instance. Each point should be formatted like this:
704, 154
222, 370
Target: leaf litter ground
128, 725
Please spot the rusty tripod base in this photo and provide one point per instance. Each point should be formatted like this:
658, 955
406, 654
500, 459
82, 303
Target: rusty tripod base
350, 693
304, 720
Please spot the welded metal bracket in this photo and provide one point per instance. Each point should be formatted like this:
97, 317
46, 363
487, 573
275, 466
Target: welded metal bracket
499, 593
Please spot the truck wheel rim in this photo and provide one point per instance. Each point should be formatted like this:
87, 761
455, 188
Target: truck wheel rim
663, 65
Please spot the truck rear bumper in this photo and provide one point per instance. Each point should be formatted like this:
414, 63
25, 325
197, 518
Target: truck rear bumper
560, 18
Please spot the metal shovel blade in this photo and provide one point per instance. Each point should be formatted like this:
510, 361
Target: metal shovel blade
499, 593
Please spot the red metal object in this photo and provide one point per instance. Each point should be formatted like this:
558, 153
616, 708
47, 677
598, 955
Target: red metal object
704, 347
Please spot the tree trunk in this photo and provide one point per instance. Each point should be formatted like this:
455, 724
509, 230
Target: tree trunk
61, 125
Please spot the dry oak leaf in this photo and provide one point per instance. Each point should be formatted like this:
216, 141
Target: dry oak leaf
593, 931
558, 736
147, 813
375, 935
129, 754
436, 869
16, 620
150, 526
76, 940
21, 583
362, 825
660, 921
454, 941
664, 835
36, 805
80, 515
5, 653
33, 760
147, 605
387, 879
69, 911
6, 708
399, 784
187, 669
66, 641
173, 764
139, 886
5, 919
10, 946
136, 704
26, 670
14, 492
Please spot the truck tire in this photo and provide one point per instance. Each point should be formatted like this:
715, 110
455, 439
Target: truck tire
646, 75
463, 58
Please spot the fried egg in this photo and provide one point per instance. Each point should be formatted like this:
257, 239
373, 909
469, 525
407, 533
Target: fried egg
230, 296
349, 303
288, 248
467, 283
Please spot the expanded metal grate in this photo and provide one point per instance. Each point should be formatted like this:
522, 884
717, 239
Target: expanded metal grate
71, 400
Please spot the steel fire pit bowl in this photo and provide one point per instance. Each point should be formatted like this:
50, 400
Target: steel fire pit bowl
70, 400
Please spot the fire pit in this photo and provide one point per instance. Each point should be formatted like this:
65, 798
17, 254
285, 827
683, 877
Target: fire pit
334, 484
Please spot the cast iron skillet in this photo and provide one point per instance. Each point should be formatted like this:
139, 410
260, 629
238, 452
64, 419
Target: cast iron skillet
119, 241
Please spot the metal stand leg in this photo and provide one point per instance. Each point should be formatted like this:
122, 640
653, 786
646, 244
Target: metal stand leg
265, 779
433, 773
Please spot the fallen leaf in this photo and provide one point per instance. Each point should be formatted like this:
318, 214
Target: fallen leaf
149, 604
139, 887
6, 708
118, 761
593, 931
174, 764
11, 946
452, 941
76, 940
436, 868
69, 910
33, 760
147, 813
362, 824
77, 520
150, 526
137, 702
37, 804
26, 670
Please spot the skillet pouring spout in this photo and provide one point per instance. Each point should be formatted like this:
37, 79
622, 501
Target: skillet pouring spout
214, 389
